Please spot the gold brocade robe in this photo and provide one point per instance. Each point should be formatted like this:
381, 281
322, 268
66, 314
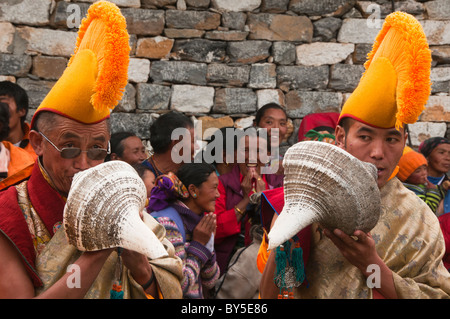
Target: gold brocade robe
55, 255
408, 239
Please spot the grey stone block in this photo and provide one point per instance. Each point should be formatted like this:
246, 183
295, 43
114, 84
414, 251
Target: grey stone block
283, 53
228, 75
200, 20
301, 103
302, 77
182, 72
234, 100
153, 96
200, 50
14, 64
263, 76
345, 77
249, 51
138, 123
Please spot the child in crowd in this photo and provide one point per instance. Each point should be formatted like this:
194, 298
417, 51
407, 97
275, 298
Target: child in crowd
148, 177
413, 172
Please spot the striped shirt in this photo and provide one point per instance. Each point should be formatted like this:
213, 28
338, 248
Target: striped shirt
431, 196
200, 268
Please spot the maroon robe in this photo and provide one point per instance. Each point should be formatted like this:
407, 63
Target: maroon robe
48, 204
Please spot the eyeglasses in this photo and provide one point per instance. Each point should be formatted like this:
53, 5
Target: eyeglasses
95, 154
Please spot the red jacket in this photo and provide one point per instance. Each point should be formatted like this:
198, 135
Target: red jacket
228, 228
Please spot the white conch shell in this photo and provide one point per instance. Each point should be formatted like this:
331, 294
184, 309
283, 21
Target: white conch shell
327, 185
102, 211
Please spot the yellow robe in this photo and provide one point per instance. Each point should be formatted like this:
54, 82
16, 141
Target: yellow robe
408, 239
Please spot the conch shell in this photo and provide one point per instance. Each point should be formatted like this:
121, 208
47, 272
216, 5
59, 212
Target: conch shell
327, 185
102, 211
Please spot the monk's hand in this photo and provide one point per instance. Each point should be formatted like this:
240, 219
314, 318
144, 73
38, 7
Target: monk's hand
138, 265
358, 249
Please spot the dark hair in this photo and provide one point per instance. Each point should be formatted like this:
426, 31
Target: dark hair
4, 121
324, 128
259, 115
117, 146
161, 130
345, 123
194, 173
19, 95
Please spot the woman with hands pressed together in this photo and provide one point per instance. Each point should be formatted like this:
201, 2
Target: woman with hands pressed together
184, 205
235, 188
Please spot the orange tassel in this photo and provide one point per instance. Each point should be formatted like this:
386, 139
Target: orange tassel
104, 32
403, 41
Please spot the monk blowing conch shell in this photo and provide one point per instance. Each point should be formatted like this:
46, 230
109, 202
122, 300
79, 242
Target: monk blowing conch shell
327, 185
103, 211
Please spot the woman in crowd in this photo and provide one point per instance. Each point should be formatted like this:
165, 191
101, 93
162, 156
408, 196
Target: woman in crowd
273, 118
184, 206
235, 189
146, 175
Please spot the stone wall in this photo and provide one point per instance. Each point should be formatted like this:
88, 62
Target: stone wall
220, 60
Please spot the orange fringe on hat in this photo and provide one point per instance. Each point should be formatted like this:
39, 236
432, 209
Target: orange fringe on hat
104, 32
408, 51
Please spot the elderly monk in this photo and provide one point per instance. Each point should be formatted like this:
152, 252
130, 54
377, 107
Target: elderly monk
406, 246
70, 133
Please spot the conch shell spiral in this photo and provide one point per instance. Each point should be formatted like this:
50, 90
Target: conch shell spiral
327, 185
102, 211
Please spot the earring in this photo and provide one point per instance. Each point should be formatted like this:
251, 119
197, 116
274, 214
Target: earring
195, 195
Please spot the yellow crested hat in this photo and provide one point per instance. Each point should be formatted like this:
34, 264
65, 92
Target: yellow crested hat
396, 83
97, 73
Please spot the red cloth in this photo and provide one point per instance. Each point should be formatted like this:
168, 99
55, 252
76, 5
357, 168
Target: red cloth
228, 228
48, 204
444, 221
311, 121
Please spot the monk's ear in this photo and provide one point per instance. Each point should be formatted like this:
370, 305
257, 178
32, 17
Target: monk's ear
340, 136
36, 141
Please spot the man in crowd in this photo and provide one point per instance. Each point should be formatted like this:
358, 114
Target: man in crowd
127, 147
17, 99
70, 133
167, 148
15, 163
